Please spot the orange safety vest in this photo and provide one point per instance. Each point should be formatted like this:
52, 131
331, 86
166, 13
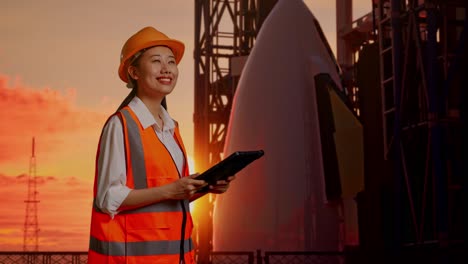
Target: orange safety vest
157, 233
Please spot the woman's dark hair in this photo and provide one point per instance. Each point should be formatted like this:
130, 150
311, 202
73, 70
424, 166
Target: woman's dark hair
132, 94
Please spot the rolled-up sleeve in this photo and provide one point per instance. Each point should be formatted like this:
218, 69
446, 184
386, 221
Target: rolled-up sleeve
111, 170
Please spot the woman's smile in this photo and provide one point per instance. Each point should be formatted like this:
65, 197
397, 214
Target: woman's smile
165, 80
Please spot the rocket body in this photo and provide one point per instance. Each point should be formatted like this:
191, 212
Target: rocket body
290, 199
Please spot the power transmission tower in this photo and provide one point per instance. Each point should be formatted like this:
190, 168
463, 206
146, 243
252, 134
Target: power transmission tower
31, 226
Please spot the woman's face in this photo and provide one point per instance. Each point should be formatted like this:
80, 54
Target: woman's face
156, 72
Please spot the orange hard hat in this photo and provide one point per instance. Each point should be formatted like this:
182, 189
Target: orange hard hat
146, 38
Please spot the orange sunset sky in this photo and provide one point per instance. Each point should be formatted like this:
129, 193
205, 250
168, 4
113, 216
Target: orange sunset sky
59, 83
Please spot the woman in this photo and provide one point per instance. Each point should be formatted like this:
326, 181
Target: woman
142, 188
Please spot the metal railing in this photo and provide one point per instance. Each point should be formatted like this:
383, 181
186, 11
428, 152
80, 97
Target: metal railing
435, 256
20, 257
223, 257
304, 257
217, 257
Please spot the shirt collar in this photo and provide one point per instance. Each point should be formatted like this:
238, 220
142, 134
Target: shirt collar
146, 118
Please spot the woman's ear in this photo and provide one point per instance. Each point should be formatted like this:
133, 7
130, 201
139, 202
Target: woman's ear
132, 72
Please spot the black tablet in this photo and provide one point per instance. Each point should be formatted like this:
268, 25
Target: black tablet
228, 167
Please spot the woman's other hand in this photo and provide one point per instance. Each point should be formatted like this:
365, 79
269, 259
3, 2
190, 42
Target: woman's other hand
221, 186
184, 188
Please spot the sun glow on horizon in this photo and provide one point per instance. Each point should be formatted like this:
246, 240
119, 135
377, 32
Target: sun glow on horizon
197, 208
191, 164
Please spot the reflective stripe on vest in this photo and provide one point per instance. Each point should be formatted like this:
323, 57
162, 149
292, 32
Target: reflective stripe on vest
169, 206
110, 237
143, 248
136, 150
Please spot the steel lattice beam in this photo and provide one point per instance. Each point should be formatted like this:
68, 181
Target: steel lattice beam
225, 30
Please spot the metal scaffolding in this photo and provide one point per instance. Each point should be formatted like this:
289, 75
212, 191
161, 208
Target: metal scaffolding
418, 43
225, 31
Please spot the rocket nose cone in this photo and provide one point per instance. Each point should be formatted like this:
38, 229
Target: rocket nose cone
267, 204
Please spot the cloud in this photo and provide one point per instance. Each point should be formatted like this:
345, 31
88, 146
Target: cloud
43, 113
23, 179
46, 110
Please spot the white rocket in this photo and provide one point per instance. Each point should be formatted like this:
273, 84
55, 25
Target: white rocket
289, 102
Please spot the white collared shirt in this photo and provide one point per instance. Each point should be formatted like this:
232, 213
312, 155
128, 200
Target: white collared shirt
112, 176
